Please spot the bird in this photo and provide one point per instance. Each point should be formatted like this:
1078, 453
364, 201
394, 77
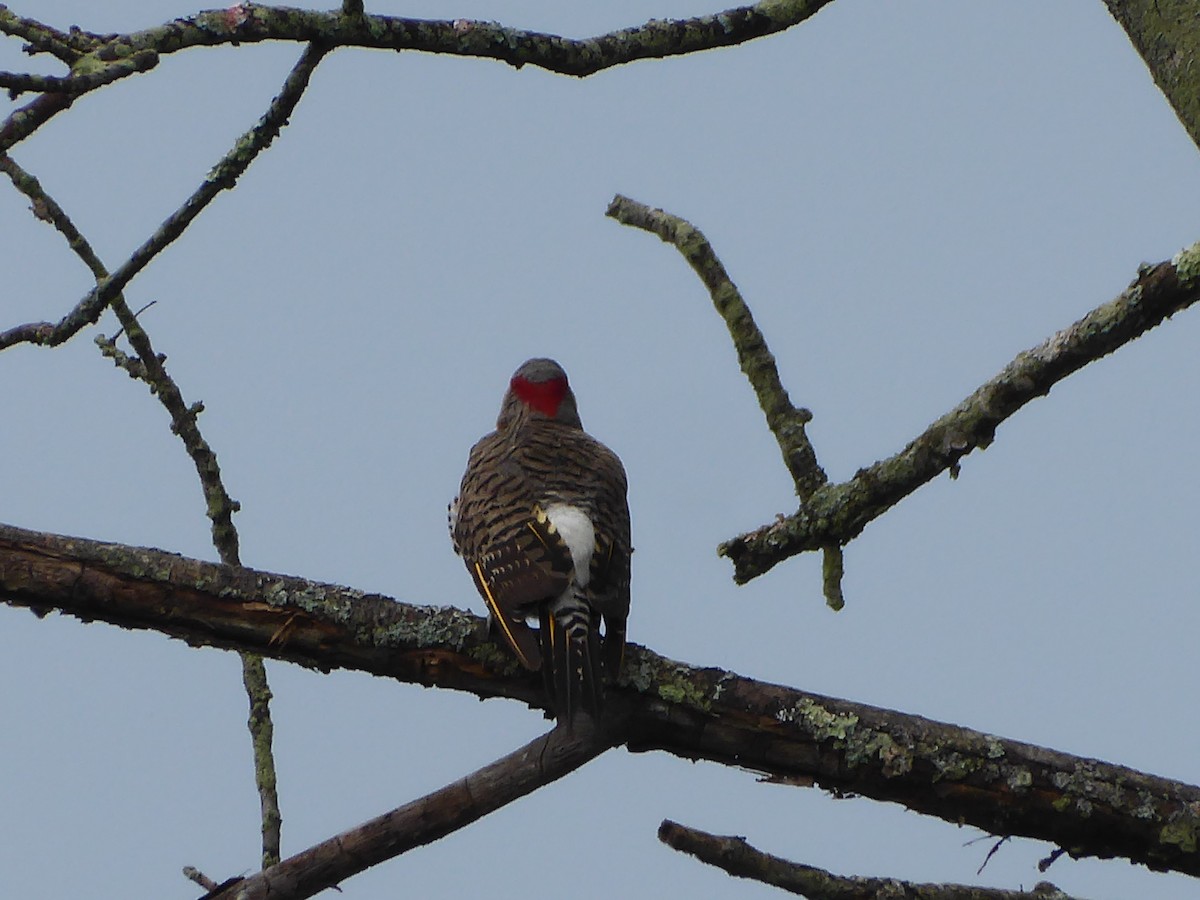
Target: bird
541, 521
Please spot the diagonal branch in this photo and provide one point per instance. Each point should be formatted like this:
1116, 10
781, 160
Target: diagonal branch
18, 83
758, 365
831, 515
29, 118
1164, 34
840, 512
223, 177
149, 367
784, 420
540, 762
738, 858
1004, 787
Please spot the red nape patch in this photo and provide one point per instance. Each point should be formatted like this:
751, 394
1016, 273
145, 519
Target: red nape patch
544, 396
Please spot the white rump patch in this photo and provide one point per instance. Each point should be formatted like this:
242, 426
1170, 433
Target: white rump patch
577, 531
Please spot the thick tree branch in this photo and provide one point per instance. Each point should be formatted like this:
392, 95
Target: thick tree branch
657, 38
351, 27
1004, 787
540, 762
738, 858
114, 56
1164, 33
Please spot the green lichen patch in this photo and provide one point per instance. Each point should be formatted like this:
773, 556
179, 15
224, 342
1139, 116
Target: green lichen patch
823, 724
1182, 832
1187, 265
681, 690
954, 767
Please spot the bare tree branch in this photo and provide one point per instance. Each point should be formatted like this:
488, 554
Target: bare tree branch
833, 514
219, 506
738, 858
540, 762
29, 118
784, 420
656, 39
67, 46
193, 874
839, 512
1003, 787
17, 83
223, 177
119, 55
758, 365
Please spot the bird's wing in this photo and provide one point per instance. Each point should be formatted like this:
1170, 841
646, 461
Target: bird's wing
518, 571
512, 550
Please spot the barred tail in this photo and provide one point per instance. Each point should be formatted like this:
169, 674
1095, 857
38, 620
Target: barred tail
571, 660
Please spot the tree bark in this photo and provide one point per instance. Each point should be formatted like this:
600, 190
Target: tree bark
1087, 807
1166, 33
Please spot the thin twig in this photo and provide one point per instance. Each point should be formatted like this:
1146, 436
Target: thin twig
121, 331
67, 46
786, 422
220, 507
740, 859
194, 874
17, 83
1050, 859
222, 177
995, 848
538, 763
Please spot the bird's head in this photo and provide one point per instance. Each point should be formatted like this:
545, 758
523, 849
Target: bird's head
539, 389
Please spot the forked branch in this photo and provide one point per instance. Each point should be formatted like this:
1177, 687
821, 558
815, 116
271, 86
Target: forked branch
222, 177
220, 507
834, 514
738, 858
784, 420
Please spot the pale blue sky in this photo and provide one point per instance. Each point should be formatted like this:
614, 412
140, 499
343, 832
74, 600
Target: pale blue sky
907, 194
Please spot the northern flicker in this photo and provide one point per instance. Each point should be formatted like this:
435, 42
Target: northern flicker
542, 522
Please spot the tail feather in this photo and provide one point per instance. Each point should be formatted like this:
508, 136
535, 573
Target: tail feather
614, 649
572, 660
